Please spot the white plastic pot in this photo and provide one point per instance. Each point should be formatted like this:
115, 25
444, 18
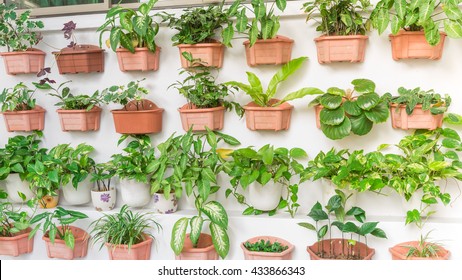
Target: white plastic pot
78, 196
104, 200
135, 194
165, 206
265, 198
14, 185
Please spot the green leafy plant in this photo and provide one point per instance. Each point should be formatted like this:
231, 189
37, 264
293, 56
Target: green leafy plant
265, 246
418, 15
16, 30
343, 113
130, 28
424, 249
102, 175
430, 100
265, 98
18, 98
12, 221
339, 17
125, 94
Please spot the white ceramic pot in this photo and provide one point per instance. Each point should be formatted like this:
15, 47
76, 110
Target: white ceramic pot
78, 196
14, 185
328, 190
265, 198
165, 206
104, 200
135, 194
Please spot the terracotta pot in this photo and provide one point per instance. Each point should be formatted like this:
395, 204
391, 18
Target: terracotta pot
399, 252
270, 51
140, 251
24, 62
317, 111
142, 60
199, 119
268, 118
339, 247
204, 250
252, 255
80, 59
80, 120
349, 48
17, 245
412, 44
419, 119
210, 54
13, 185
61, 251
104, 200
131, 121
25, 120
48, 202
165, 206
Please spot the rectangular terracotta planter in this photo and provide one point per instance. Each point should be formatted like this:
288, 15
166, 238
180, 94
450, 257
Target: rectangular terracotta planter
199, 119
338, 247
210, 54
17, 245
143, 120
142, 60
23, 62
341, 48
268, 118
419, 119
269, 52
25, 120
412, 44
253, 255
140, 251
80, 59
61, 251
80, 120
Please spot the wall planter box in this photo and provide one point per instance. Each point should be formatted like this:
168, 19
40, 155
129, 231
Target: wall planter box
269, 52
140, 251
210, 54
265, 198
61, 251
135, 194
133, 121
80, 120
412, 44
268, 118
339, 247
341, 48
252, 255
204, 250
419, 119
399, 252
17, 245
23, 62
25, 120
199, 119
142, 60
13, 185
165, 206
80, 59
104, 200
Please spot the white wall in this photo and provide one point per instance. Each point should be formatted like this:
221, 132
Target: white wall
443, 76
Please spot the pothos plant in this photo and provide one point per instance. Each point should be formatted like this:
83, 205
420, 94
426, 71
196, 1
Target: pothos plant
125, 94
12, 221
430, 100
18, 98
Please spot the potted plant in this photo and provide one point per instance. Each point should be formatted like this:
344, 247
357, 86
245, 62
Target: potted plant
134, 39
419, 109
340, 248
264, 46
125, 234
267, 248
103, 194
206, 100
138, 115
343, 29
62, 240
415, 26
339, 112
19, 109
265, 112
16, 34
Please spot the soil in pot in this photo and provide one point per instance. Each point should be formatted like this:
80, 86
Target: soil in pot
200, 118
203, 251
268, 118
274, 51
18, 244
339, 249
61, 251
254, 255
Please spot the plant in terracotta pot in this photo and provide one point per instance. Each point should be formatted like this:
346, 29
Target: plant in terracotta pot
16, 33
19, 109
267, 248
342, 248
126, 234
343, 29
265, 173
62, 240
103, 194
138, 115
265, 112
206, 100
340, 112
132, 37
415, 26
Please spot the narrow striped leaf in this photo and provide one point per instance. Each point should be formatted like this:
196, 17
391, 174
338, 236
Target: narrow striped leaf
220, 239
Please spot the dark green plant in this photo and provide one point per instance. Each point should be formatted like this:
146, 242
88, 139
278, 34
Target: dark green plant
265, 246
125, 94
12, 221
430, 100
18, 98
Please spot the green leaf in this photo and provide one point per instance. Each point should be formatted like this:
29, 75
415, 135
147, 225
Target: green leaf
336, 91
216, 213
453, 28
299, 94
298, 153
69, 239
452, 118
451, 133
220, 239
125, 21
351, 108
241, 22
317, 214
379, 233
395, 24
367, 228
280, 76
330, 101
178, 235
322, 231
361, 125
450, 143
253, 35
332, 117
268, 155
227, 35
379, 113
350, 227
281, 4
426, 10
438, 165
338, 131
382, 20
452, 11
209, 175
432, 35
228, 139
196, 228
140, 24
413, 216
307, 226
114, 38
415, 4
126, 42
363, 86
254, 82
368, 101
400, 8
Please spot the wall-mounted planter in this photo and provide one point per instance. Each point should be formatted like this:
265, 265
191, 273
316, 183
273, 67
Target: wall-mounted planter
48, 202
23, 62
399, 252
139, 251
142, 60
17, 245
61, 251
210, 54
265, 198
253, 255
79, 196
80, 59
204, 250
339, 247
419, 119
135, 194
274, 51
13, 185
165, 206
199, 119
341, 48
268, 118
412, 44
133, 121
104, 200
25, 120
80, 120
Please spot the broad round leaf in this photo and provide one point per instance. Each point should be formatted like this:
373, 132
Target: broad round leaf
363, 85
361, 125
368, 101
379, 113
336, 132
330, 101
332, 117
351, 108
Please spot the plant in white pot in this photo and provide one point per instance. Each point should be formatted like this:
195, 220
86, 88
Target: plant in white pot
103, 193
